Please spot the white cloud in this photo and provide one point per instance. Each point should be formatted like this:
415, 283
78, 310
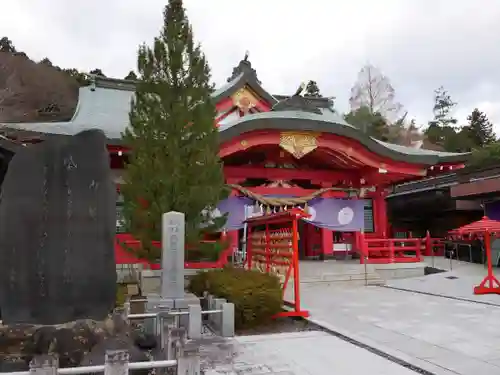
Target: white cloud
418, 44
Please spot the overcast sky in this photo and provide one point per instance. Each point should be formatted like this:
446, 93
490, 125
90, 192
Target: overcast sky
418, 44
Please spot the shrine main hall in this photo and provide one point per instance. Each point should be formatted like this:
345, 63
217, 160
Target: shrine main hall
278, 152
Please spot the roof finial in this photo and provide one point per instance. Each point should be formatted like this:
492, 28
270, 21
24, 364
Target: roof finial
244, 67
297, 102
301, 89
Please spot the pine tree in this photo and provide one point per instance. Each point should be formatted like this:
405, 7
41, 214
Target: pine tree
373, 124
479, 129
46, 61
174, 163
441, 131
443, 106
312, 90
6, 45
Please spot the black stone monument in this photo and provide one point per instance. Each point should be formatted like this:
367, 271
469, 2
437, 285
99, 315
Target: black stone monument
57, 226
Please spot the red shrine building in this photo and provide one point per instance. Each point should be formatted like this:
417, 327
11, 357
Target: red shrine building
286, 147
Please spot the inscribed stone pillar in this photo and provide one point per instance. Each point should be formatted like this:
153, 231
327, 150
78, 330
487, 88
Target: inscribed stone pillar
172, 257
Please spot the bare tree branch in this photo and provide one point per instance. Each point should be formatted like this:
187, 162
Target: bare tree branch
374, 91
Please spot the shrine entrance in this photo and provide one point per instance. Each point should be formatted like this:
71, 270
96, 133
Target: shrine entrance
310, 246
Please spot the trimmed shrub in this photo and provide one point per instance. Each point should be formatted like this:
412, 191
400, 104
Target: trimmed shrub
121, 295
256, 296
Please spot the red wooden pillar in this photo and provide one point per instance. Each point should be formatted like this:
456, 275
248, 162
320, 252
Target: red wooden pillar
380, 213
428, 244
232, 239
326, 241
391, 250
362, 247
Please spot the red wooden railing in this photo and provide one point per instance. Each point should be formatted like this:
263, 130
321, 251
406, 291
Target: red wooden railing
433, 246
124, 242
373, 250
397, 250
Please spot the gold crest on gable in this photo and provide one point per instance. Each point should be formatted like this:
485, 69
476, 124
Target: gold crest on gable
244, 99
299, 144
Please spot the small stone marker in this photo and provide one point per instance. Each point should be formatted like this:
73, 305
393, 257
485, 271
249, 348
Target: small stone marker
172, 257
217, 317
194, 322
227, 327
188, 359
44, 365
116, 362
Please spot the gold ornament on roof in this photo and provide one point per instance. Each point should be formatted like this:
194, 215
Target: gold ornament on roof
244, 100
299, 144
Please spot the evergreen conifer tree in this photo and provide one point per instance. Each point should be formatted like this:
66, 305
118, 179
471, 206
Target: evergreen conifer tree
174, 163
6, 45
441, 129
373, 124
479, 129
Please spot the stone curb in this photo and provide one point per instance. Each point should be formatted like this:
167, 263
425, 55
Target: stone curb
420, 366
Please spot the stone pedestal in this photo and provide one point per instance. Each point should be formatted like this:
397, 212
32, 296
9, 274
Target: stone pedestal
157, 304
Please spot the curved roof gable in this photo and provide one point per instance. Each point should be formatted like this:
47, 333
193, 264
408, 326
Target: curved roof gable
297, 113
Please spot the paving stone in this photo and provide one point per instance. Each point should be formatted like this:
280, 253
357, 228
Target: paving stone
460, 336
303, 353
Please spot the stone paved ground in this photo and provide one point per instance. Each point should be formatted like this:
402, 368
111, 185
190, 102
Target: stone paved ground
439, 334
464, 277
298, 353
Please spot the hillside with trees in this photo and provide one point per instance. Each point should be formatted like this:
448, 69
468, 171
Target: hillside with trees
32, 92
40, 91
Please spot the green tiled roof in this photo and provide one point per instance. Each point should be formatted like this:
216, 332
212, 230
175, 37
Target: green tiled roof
330, 122
419, 151
106, 107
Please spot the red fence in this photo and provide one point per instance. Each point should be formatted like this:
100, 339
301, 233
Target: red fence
374, 250
398, 250
433, 246
125, 243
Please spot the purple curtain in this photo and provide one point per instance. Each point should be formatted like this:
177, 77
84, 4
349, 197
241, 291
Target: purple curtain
343, 215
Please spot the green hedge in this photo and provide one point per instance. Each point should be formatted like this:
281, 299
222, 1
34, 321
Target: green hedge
256, 296
121, 295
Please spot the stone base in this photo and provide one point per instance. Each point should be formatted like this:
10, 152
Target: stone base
157, 304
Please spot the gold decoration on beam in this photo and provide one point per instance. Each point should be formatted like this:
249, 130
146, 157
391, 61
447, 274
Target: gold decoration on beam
299, 144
